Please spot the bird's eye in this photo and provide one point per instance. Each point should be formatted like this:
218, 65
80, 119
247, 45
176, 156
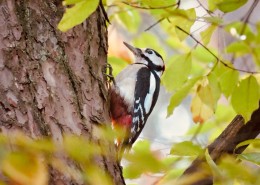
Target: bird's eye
149, 51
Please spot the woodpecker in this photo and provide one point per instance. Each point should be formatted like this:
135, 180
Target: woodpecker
134, 94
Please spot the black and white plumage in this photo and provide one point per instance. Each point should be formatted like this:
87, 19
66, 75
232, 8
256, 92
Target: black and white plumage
135, 93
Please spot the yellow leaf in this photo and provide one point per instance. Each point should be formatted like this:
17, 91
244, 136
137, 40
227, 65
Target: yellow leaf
25, 169
202, 105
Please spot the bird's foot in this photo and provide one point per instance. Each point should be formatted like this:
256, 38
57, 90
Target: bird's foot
108, 72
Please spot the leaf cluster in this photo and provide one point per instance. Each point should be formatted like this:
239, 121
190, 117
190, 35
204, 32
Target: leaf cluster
28, 161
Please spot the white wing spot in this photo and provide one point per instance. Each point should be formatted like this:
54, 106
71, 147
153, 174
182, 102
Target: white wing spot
136, 119
137, 101
142, 112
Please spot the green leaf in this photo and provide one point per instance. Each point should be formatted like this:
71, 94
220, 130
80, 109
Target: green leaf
130, 19
71, 2
170, 160
214, 88
173, 41
171, 175
257, 39
142, 146
207, 33
184, 19
117, 64
245, 97
203, 128
228, 81
213, 4
40, 145
256, 54
79, 149
213, 20
141, 160
94, 175
158, 3
214, 168
252, 157
202, 55
224, 113
234, 170
240, 48
177, 72
230, 5
248, 142
186, 148
77, 14
179, 95
132, 172
44, 145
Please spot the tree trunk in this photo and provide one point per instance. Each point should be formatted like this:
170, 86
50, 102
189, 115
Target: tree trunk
51, 82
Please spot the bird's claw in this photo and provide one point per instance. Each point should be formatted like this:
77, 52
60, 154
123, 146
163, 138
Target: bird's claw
108, 72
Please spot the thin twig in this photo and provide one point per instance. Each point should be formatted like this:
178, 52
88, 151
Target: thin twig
250, 11
160, 20
215, 56
154, 24
199, 28
197, 19
245, 22
208, 11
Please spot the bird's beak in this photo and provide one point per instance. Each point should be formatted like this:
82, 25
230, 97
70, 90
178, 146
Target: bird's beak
135, 51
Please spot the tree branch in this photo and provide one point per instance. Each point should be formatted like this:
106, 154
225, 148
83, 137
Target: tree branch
236, 132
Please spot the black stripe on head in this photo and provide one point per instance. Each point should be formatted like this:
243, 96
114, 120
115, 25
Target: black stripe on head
156, 53
151, 65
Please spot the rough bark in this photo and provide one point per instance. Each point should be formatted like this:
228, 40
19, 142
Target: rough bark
51, 82
236, 132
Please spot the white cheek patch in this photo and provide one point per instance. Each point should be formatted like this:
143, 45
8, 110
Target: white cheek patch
143, 61
155, 59
149, 97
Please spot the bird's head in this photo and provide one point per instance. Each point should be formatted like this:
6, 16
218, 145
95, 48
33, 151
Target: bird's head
148, 57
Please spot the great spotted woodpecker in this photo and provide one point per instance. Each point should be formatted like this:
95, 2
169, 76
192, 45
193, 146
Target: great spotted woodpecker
135, 93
